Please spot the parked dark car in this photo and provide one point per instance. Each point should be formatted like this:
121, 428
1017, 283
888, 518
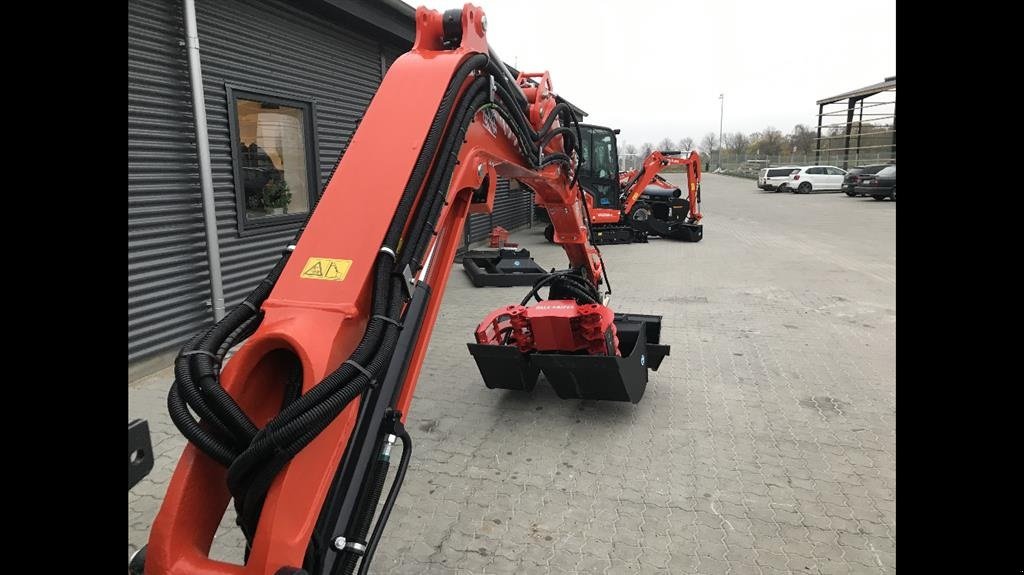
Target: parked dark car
879, 186
854, 175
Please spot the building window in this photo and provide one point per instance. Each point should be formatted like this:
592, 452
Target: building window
274, 159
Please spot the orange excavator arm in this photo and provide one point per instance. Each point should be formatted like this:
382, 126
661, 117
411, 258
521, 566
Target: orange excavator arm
298, 427
635, 182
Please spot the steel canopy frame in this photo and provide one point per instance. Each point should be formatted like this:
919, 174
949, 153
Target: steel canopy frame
854, 103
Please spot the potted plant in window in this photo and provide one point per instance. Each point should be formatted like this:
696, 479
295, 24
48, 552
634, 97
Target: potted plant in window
275, 197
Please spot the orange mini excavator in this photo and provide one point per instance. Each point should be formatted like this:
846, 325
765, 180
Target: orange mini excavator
298, 427
655, 206
627, 207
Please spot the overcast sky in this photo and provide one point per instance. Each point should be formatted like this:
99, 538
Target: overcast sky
655, 69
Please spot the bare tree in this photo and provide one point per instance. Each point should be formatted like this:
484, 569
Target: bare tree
645, 150
737, 144
754, 147
708, 144
802, 139
686, 143
666, 145
771, 141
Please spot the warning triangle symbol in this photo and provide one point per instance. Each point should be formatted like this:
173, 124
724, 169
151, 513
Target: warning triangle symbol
314, 270
332, 271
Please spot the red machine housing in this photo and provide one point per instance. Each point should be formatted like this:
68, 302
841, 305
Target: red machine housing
552, 325
499, 238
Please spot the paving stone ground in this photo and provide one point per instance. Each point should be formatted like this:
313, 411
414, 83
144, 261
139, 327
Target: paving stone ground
765, 444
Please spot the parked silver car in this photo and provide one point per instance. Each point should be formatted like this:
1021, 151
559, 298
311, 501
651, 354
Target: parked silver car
770, 178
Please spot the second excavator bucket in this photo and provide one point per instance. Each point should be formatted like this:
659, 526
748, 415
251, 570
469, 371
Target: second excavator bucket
674, 229
581, 376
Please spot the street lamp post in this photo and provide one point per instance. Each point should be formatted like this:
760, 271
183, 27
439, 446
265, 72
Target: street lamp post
721, 116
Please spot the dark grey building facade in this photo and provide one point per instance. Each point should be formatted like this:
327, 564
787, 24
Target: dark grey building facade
285, 86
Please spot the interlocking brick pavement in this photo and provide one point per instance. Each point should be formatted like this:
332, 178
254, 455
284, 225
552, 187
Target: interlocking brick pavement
765, 444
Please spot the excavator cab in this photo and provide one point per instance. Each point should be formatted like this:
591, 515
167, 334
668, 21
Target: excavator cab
599, 174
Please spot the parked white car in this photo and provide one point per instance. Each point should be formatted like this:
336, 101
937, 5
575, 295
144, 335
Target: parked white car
770, 178
815, 179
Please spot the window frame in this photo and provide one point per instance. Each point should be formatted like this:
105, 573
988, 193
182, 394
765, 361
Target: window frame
268, 224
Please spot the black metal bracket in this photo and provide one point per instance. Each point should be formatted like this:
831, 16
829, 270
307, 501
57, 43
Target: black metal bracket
393, 422
140, 451
502, 268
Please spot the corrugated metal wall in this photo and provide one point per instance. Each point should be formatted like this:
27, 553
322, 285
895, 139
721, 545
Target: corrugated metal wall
168, 283
268, 46
277, 48
512, 210
391, 54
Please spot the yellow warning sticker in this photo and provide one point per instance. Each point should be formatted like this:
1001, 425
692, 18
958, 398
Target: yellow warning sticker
326, 269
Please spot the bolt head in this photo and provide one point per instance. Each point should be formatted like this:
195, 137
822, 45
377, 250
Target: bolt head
339, 543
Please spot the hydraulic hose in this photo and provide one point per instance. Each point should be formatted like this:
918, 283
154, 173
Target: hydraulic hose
590, 232
369, 507
389, 503
503, 75
552, 116
229, 427
428, 153
571, 278
251, 474
560, 131
433, 193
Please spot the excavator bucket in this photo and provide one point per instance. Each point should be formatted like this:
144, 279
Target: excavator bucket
674, 229
580, 376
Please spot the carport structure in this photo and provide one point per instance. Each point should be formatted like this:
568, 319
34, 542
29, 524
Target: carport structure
871, 140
